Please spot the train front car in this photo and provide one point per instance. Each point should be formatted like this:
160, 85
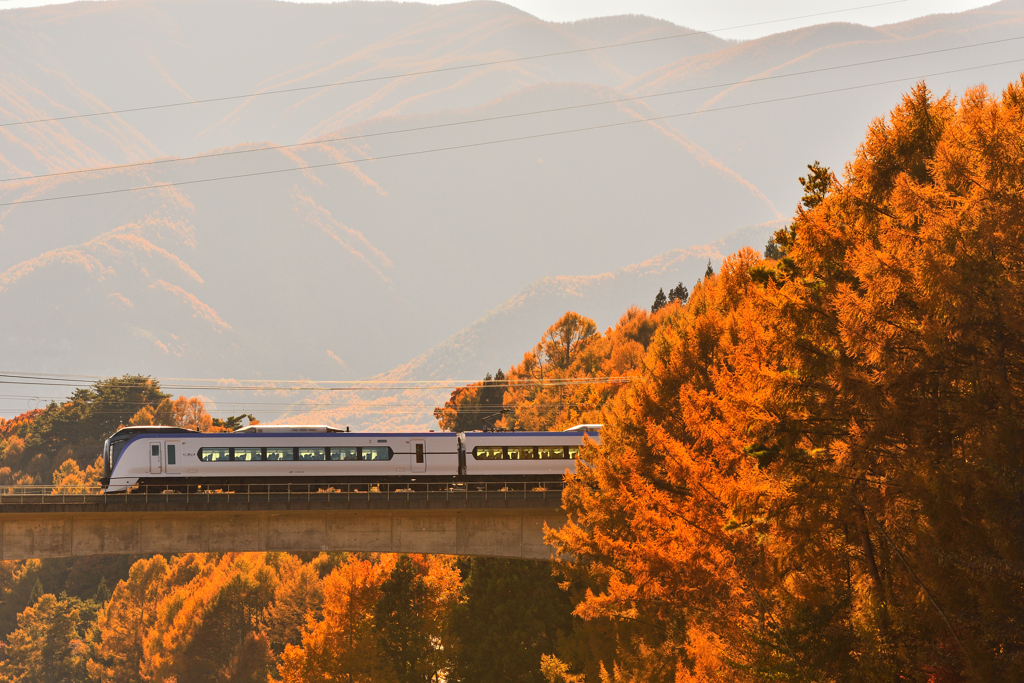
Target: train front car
279, 454
127, 454
524, 456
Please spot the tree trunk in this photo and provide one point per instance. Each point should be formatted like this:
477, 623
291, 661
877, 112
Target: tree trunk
872, 566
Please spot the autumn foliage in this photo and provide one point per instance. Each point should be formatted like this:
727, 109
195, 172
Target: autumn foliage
62, 442
814, 470
541, 393
248, 617
816, 475
810, 470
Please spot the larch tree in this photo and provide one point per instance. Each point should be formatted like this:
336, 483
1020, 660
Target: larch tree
816, 475
212, 627
902, 313
344, 645
53, 642
298, 597
126, 618
191, 414
513, 614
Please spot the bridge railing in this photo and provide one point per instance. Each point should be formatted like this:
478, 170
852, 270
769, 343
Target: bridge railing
276, 493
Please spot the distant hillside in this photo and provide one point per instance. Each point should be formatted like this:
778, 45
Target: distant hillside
382, 245
344, 271
499, 339
771, 144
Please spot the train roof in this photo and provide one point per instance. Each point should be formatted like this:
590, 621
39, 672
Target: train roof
272, 429
151, 429
586, 428
325, 429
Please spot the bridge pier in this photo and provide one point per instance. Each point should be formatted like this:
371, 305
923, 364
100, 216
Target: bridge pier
483, 531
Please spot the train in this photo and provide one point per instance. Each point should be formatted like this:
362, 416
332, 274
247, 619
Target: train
175, 458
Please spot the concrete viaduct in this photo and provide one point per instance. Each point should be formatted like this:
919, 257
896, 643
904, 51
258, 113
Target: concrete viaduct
484, 523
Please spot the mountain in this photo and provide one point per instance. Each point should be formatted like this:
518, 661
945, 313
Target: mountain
499, 339
91, 56
346, 270
362, 178
771, 144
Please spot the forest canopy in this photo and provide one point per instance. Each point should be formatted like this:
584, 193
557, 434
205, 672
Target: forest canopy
815, 471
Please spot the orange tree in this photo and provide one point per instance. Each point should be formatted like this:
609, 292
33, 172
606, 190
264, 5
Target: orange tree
818, 476
539, 393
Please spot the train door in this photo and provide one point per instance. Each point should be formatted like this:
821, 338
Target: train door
172, 453
155, 458
419, 455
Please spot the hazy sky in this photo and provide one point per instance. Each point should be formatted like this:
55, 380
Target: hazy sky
712, 15
717, 15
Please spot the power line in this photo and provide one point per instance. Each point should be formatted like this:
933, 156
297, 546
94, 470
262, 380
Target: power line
327, 386
368, 387
425, 72
323, 141
272, 383
369, 410
487, 143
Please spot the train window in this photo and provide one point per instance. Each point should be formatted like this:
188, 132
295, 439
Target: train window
275, 453
489, 452
376, 453
525, 452
306, 453
248, 453
551, 453
344, 453
215, 454
116, 449
171, 454
522, 452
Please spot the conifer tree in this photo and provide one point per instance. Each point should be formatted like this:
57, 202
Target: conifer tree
659, 300
773, 250
679, 293
817, 475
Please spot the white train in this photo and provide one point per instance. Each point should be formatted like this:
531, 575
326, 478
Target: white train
174, 458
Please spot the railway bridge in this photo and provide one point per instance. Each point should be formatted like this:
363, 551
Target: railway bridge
475, 518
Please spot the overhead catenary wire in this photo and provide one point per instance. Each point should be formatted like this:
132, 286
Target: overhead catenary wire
415, 129
254, 403
246, 404
424, 72
352, 412
486, 143
27, 379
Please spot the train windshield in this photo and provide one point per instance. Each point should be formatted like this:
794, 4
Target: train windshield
116, 447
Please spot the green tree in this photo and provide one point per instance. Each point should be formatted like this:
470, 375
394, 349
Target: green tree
659, 300
400, 617
52, 643
475, 407
816, 185
77, 427
773, 250
233, 422
513, 613
679, 293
